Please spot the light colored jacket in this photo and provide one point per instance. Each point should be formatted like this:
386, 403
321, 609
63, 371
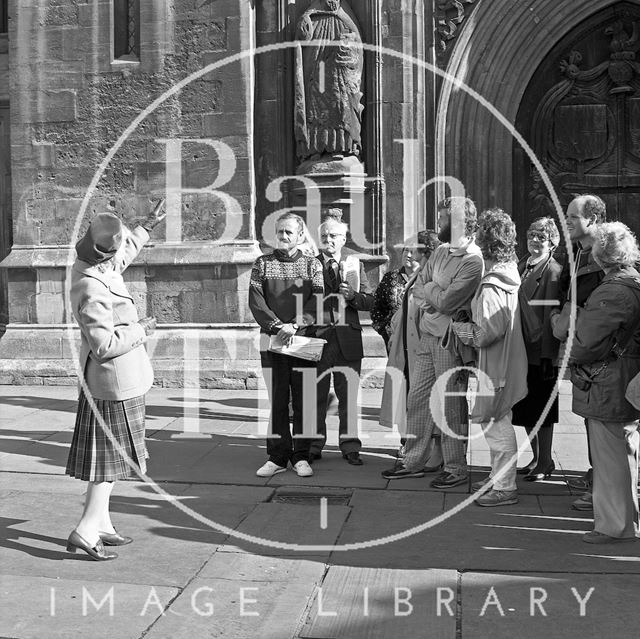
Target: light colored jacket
112, 353
496, 331
449, 281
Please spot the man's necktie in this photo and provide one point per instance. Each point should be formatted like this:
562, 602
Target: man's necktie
527, 271
333, 273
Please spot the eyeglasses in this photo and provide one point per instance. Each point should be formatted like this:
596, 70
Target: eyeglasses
535, 235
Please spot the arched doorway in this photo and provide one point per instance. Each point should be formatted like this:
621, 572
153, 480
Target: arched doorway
581, 115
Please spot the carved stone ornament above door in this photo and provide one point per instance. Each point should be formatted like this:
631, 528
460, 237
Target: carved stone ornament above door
586, 128
450, 15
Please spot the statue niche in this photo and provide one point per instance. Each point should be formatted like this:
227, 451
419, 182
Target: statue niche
328, 83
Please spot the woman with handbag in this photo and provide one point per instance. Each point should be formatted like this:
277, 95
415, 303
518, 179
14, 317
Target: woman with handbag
605, 356
540, 275
495, 331
396, 314
108, 439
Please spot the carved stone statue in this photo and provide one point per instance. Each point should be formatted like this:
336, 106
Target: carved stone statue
328, 80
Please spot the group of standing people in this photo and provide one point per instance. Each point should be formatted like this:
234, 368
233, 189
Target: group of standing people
457, 304
466, 304
511, 322
296, 293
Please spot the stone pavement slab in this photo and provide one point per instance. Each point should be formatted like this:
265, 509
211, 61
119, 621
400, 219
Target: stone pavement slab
520, 536
333, 471
378, 603
299, 526
549, 605
233, 607
169, 545
46, 452
52, 484
220, 459
182, 557
55, 608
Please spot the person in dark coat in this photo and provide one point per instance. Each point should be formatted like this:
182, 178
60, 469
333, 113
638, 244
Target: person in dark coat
540, 275
340, 327
390, 292
115, 373
605, 356
584, 213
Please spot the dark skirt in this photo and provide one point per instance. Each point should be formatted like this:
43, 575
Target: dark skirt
93, 456
527, 411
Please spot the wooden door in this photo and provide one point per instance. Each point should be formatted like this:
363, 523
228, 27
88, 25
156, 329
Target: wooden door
581, 115
5, 209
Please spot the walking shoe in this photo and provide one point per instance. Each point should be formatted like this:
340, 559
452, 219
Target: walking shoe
525, 470
303, 469
498, 498
400, 472
595, 537
270, 469
477, 485
449, 480
353, 458
582, 483
584, 503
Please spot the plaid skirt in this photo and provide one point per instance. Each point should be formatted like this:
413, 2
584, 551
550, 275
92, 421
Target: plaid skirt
93, 456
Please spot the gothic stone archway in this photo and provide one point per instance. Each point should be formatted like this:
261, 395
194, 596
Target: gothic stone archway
581, 114
498, 51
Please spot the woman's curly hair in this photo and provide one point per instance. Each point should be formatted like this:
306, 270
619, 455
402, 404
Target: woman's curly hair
496, 235
615, 245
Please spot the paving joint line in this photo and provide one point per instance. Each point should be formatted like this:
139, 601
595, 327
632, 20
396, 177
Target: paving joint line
181, 590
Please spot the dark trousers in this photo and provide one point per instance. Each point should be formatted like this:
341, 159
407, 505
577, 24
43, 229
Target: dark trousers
347, 408
285, 376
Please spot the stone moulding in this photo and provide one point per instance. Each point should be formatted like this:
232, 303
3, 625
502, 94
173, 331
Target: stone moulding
161, 253
227, 355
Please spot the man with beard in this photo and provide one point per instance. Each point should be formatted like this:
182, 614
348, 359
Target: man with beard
447, 284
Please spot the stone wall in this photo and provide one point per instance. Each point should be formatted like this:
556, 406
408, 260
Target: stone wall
204, 356
71, 103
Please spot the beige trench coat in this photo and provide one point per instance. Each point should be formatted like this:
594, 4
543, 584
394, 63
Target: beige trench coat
112, 353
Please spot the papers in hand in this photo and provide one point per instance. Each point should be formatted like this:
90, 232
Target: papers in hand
303, 347
350, 272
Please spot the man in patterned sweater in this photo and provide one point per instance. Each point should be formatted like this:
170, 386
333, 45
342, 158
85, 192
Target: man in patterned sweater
281, 284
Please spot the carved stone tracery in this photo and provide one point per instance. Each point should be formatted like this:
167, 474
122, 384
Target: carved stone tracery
450, 14
586, 128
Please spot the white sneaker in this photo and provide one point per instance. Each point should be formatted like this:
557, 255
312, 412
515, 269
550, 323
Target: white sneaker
270, 469
303, 469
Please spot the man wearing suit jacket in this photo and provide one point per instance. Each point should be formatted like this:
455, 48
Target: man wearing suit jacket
341, 328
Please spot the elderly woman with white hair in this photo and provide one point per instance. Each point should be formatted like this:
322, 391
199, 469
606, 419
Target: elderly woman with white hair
605, 356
